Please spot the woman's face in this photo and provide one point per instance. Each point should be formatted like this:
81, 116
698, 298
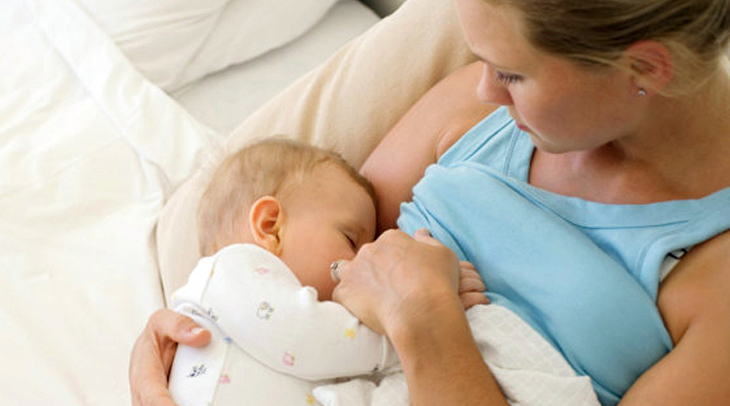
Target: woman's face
562, 106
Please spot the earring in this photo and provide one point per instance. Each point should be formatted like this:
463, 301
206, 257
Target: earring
641, 92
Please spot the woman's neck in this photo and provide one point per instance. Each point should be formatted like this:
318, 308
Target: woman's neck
684, 144
680, 153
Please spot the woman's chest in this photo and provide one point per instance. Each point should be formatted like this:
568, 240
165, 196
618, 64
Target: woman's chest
588, 177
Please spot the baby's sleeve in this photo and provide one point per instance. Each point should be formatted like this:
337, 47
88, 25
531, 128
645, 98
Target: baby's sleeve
260, 305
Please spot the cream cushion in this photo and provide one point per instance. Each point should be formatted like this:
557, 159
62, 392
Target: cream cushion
348, 104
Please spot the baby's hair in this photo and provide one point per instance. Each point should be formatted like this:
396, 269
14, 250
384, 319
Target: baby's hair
596, 32
263, 168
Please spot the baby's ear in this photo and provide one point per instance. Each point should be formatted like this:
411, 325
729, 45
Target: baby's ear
266, 218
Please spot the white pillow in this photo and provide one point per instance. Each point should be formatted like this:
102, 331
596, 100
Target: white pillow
174, 42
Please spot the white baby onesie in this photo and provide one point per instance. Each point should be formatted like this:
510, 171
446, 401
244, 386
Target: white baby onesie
273, 341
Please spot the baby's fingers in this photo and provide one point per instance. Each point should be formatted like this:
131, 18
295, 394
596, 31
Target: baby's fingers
471, 286
469, 299
469, 279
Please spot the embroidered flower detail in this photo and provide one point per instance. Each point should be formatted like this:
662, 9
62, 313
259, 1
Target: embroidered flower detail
288, 359
264, 311
225, 379
262, 270
350, 333
197, 370
310, 399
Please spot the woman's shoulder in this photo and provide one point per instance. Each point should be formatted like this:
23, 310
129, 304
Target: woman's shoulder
456, 99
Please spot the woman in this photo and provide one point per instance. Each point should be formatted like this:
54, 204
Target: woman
626, 105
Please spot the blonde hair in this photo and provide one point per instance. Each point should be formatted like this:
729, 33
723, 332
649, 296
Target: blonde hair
264, 168
596, 32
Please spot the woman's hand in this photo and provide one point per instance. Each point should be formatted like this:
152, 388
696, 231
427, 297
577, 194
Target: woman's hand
412, 290
398, 278
153, 353
471, 286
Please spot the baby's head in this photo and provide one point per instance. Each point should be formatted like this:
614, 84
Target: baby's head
304, 204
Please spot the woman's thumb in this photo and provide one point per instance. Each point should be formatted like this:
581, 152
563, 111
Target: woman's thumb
423, 235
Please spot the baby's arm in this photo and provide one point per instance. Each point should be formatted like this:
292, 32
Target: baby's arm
261, 306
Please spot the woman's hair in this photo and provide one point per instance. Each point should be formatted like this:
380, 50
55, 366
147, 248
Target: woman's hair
596, 32
264, 168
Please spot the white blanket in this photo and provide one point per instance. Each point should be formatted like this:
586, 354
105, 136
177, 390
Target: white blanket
89, 153
528, 369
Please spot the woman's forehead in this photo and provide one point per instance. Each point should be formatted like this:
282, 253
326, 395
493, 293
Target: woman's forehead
495, 33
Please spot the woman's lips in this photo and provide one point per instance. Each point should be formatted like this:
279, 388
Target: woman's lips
519, 125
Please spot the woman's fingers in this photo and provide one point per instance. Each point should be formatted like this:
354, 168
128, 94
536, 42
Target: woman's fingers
153, 353
179, 328
423, 235
395, 277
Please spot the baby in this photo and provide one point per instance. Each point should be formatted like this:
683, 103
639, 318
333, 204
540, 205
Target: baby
273, 218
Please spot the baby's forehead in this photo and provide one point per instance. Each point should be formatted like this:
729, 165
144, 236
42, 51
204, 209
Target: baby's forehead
332, 175
320, 182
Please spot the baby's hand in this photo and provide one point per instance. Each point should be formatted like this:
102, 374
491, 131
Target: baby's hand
471, 286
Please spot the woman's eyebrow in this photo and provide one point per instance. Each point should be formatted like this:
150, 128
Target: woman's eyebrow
494, 65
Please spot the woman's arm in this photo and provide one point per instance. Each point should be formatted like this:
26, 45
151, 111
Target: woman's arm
695, 303
424, 133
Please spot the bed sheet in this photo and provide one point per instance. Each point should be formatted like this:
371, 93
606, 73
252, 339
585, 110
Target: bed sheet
89, 153
223, 99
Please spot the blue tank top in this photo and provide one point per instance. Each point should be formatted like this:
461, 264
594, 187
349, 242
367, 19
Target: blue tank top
585, 275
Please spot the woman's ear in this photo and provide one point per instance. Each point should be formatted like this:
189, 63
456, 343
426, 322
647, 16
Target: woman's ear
266, 218
650, 64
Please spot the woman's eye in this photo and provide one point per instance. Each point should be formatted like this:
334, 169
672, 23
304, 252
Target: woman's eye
507, 79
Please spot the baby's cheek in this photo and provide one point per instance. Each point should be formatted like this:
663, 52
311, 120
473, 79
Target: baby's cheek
325, 288
321, 281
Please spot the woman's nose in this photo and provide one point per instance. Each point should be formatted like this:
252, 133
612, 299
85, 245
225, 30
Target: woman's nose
491, 91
